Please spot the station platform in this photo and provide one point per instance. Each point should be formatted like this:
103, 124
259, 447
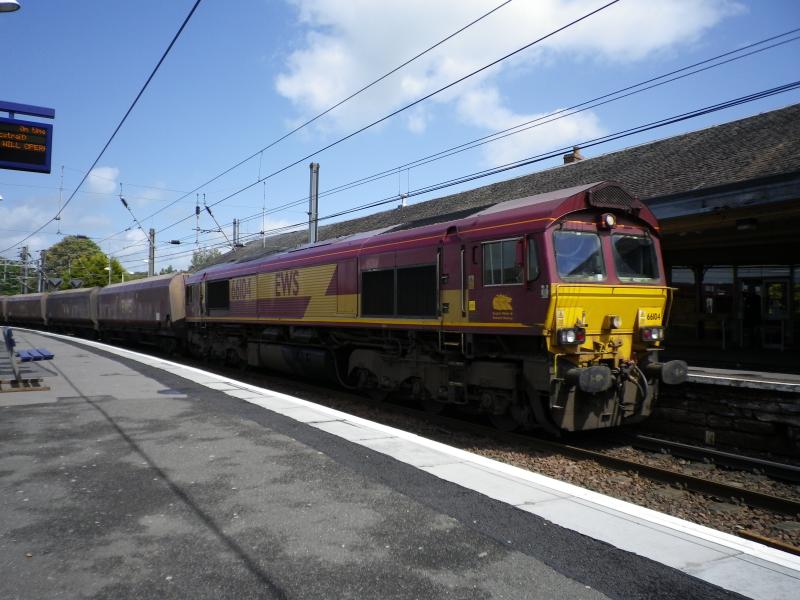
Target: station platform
758, 380
139, 477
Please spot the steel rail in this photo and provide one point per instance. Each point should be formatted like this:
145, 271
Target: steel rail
768, 541
728, 460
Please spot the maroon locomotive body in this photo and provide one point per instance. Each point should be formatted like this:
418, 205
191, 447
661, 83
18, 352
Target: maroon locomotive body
544, 311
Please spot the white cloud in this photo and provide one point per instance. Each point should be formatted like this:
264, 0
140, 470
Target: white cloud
348, 44
16, 221
103, 180
484, 107
417, 119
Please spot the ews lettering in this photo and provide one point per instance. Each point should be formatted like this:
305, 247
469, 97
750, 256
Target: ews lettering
287, 283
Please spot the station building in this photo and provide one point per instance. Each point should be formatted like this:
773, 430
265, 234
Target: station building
728, 201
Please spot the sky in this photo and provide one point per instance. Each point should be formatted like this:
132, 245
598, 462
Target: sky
245, 73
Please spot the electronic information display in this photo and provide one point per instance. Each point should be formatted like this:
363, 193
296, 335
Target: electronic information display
25, 145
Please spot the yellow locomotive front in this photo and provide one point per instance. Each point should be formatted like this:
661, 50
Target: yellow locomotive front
604, 328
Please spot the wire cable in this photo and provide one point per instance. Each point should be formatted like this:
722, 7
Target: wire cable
411, 104
337, 105
656, 81
556, 152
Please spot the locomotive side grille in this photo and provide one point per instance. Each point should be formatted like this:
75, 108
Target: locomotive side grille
613, 197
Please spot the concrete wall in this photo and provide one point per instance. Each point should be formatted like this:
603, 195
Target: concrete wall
730, 417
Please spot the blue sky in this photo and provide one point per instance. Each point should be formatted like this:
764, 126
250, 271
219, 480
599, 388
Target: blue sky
244, 73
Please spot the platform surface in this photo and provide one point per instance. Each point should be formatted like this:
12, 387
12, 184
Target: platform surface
759, 380
135, 477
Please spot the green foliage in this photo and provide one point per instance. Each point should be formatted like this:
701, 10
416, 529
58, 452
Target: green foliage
167, 269
80, 258
203, 258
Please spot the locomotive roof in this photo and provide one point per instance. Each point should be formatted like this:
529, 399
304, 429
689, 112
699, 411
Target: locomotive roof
538, 210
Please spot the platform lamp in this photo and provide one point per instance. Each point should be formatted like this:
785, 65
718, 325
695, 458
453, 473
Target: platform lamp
9, 5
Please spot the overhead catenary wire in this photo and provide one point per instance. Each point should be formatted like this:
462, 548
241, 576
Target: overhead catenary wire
555, 152
118, 127
550, 154
547, 118
335, 106
730, 56
410, 104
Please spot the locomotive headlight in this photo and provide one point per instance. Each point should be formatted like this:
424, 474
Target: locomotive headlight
651, 334
614, 321
571, 336
608, 220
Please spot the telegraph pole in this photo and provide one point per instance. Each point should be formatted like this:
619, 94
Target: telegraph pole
42, 255
151, 263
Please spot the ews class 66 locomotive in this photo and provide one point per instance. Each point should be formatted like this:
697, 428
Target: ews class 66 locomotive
546, 311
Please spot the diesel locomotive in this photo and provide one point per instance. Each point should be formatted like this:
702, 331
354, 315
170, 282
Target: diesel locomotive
542, 312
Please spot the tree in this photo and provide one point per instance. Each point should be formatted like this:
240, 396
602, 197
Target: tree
167, 269
77, 257
203, 258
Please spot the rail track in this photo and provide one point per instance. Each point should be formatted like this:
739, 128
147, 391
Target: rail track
726, 460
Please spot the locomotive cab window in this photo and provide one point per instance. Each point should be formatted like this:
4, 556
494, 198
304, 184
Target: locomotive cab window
502, 262
218, 294
579, 255
634, 257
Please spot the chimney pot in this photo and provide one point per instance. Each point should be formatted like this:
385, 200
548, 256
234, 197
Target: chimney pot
573, 156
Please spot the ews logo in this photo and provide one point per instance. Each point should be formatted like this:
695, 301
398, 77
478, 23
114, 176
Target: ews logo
287, 283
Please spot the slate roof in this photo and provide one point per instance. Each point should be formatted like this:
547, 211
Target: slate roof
763, 145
